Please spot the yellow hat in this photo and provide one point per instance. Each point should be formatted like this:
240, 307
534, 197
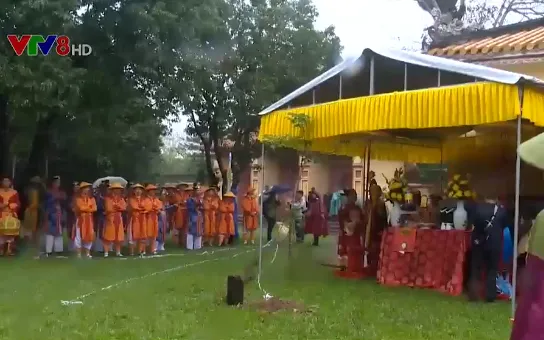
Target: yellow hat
532, 151
169, 186
85, 185
229, 194
189, 189
116, 186
137, 185
151, 187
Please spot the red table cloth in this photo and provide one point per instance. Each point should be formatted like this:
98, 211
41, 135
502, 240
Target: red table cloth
424, 258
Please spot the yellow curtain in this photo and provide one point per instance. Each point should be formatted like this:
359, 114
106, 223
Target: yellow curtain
469, 104
342, 127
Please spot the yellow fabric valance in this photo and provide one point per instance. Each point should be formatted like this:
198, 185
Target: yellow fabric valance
461, 105
492, 145
342, 127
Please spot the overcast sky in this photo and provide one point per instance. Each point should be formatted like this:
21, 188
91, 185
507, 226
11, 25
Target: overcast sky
370, 23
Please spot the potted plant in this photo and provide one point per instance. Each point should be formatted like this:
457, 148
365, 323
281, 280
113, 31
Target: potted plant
397, 190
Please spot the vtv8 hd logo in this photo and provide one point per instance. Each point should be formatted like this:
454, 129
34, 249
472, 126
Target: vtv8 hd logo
35, 44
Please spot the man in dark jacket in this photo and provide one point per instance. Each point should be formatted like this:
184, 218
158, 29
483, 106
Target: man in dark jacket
489, 218
270, 207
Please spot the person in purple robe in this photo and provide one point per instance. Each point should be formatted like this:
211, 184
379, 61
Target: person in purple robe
528, 321
529, 317
316, 221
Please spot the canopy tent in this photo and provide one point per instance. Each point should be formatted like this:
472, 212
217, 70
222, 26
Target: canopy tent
442, 100
344, 126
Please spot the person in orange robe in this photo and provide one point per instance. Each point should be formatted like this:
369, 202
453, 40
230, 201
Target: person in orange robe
210, 206
226, 218
114, 230
137, 226
155, 205
9, 207
180, 215
251, 220
84, 208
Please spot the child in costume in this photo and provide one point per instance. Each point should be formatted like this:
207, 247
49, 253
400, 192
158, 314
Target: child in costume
226, 218
210, 207
114, 230
137, 227
153, 216
251, 218
84, 208
9, 208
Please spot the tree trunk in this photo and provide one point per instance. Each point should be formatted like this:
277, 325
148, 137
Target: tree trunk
214, 137
209, 163
5, 142
40, 147
236, 173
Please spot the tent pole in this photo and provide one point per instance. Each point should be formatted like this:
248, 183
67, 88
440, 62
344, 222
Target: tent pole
339, 89
366, 194
405, 77
261, 228
371, 90
516, 207
441, 167
439, 80
13, 167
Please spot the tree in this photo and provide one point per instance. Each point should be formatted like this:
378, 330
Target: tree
453, 17
104, 113
270, 48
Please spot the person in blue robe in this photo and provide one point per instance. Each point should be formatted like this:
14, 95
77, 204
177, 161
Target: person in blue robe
164, 228
195, 227
55, 205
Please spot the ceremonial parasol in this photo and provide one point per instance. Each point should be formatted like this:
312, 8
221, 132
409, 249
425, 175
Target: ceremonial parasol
111, 179
279, 189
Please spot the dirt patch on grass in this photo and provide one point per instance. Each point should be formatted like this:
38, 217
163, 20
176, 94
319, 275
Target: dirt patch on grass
273, 305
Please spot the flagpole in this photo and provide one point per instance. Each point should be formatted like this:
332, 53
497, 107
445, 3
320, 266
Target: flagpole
261, 219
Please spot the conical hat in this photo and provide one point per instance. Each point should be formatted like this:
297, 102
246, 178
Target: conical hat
230, 194
116, 186
84, 185
137, 185
532, 151
151, 187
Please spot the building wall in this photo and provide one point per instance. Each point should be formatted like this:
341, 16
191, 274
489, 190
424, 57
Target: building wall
535, 69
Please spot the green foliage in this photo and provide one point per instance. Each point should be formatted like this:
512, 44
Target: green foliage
269, 49
298, 140
217, 62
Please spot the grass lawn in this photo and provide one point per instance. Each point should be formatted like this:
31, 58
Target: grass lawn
186, 303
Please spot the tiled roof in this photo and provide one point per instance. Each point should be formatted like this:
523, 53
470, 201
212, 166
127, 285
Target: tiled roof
515, 41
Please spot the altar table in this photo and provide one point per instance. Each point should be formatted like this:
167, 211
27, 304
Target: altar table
424, 258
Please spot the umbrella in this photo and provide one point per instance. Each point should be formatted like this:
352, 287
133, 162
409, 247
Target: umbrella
111, 179
279, 189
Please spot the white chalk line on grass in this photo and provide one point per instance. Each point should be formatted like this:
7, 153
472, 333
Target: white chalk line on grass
79, 300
